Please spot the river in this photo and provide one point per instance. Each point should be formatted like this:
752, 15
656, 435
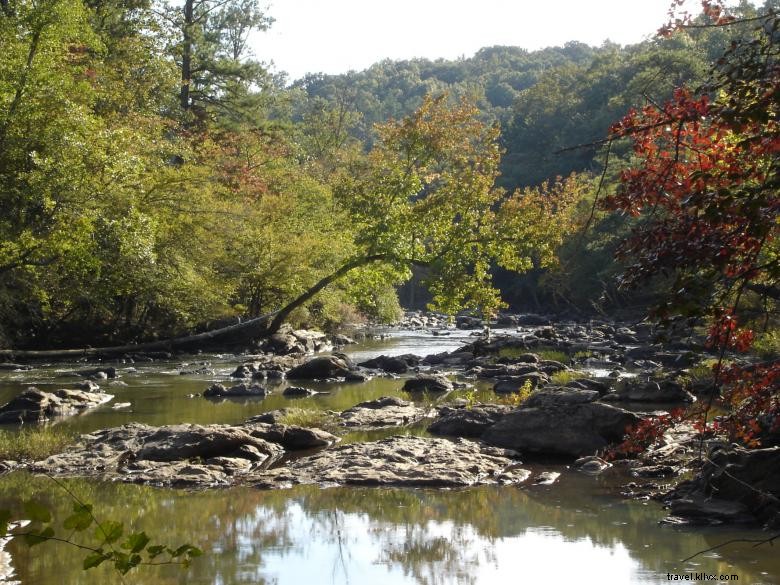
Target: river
575, 531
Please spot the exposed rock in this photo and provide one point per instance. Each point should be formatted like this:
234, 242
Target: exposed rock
393, 364
591, 465
406, 461
387, 411
34, 405
570, 430
356, 376
240, 390
531, 320
467, 422
293, 437
177, 455
320, 368
667, 391
98, 373
298, 392
428, 383
88, 386
734, 485
546, 478
338, 339
513, 384
555, 397
171, 443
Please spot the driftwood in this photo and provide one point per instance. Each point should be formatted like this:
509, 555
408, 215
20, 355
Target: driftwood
231, 333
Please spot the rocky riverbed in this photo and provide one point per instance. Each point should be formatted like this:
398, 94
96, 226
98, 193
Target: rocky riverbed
533, 392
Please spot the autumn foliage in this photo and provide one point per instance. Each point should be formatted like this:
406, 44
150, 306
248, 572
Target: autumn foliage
703, 185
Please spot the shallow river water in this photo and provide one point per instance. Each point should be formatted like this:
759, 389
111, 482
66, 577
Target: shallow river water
575, 531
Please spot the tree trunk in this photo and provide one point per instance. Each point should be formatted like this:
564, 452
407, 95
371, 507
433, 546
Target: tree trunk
232, 333
186, 56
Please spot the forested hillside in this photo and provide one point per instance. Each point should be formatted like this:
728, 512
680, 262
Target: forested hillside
155, 177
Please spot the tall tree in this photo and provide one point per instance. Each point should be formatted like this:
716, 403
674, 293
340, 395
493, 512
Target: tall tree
209, 41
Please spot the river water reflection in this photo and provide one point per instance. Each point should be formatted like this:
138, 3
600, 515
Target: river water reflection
576, 531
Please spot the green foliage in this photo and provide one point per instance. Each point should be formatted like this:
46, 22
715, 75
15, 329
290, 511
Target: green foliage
767, 344
128, 554
34, 443
303, 417
565, 376
515, 399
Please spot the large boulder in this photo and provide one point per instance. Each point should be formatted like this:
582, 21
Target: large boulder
292, 437
320, 368
399, 364
34, 405
384, 412
467, 422
735, 485
428, 383
565, 430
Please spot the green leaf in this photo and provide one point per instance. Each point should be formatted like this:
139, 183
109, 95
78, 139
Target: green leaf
37, 537
37, 512
136, 542
109, 531
156, 550
93, 560
81, 519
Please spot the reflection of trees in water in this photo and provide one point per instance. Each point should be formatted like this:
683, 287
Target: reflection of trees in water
431, 537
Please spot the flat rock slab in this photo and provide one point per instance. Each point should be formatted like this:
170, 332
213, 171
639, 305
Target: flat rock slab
409, 461
34, 405
384, 412
176, 455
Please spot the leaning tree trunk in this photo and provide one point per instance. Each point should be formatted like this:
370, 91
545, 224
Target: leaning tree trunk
229, 334
261, 326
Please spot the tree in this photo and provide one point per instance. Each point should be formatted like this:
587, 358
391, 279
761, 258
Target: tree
209, 42
705, 187
425, 196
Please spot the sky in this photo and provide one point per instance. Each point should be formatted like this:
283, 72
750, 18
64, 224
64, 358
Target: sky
335, 36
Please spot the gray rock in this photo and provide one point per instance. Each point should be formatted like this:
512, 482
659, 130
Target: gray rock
744, 485
555, 397
405, 461
384, 412
428, 383
512, 384
667, 391
392, 364
570, 430
467, 422
320, 368
298, 391
34, 405
98, 373
293, 437
177, 455
171, 443
239, 390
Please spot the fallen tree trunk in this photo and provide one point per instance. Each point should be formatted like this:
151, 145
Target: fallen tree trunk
231, 333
